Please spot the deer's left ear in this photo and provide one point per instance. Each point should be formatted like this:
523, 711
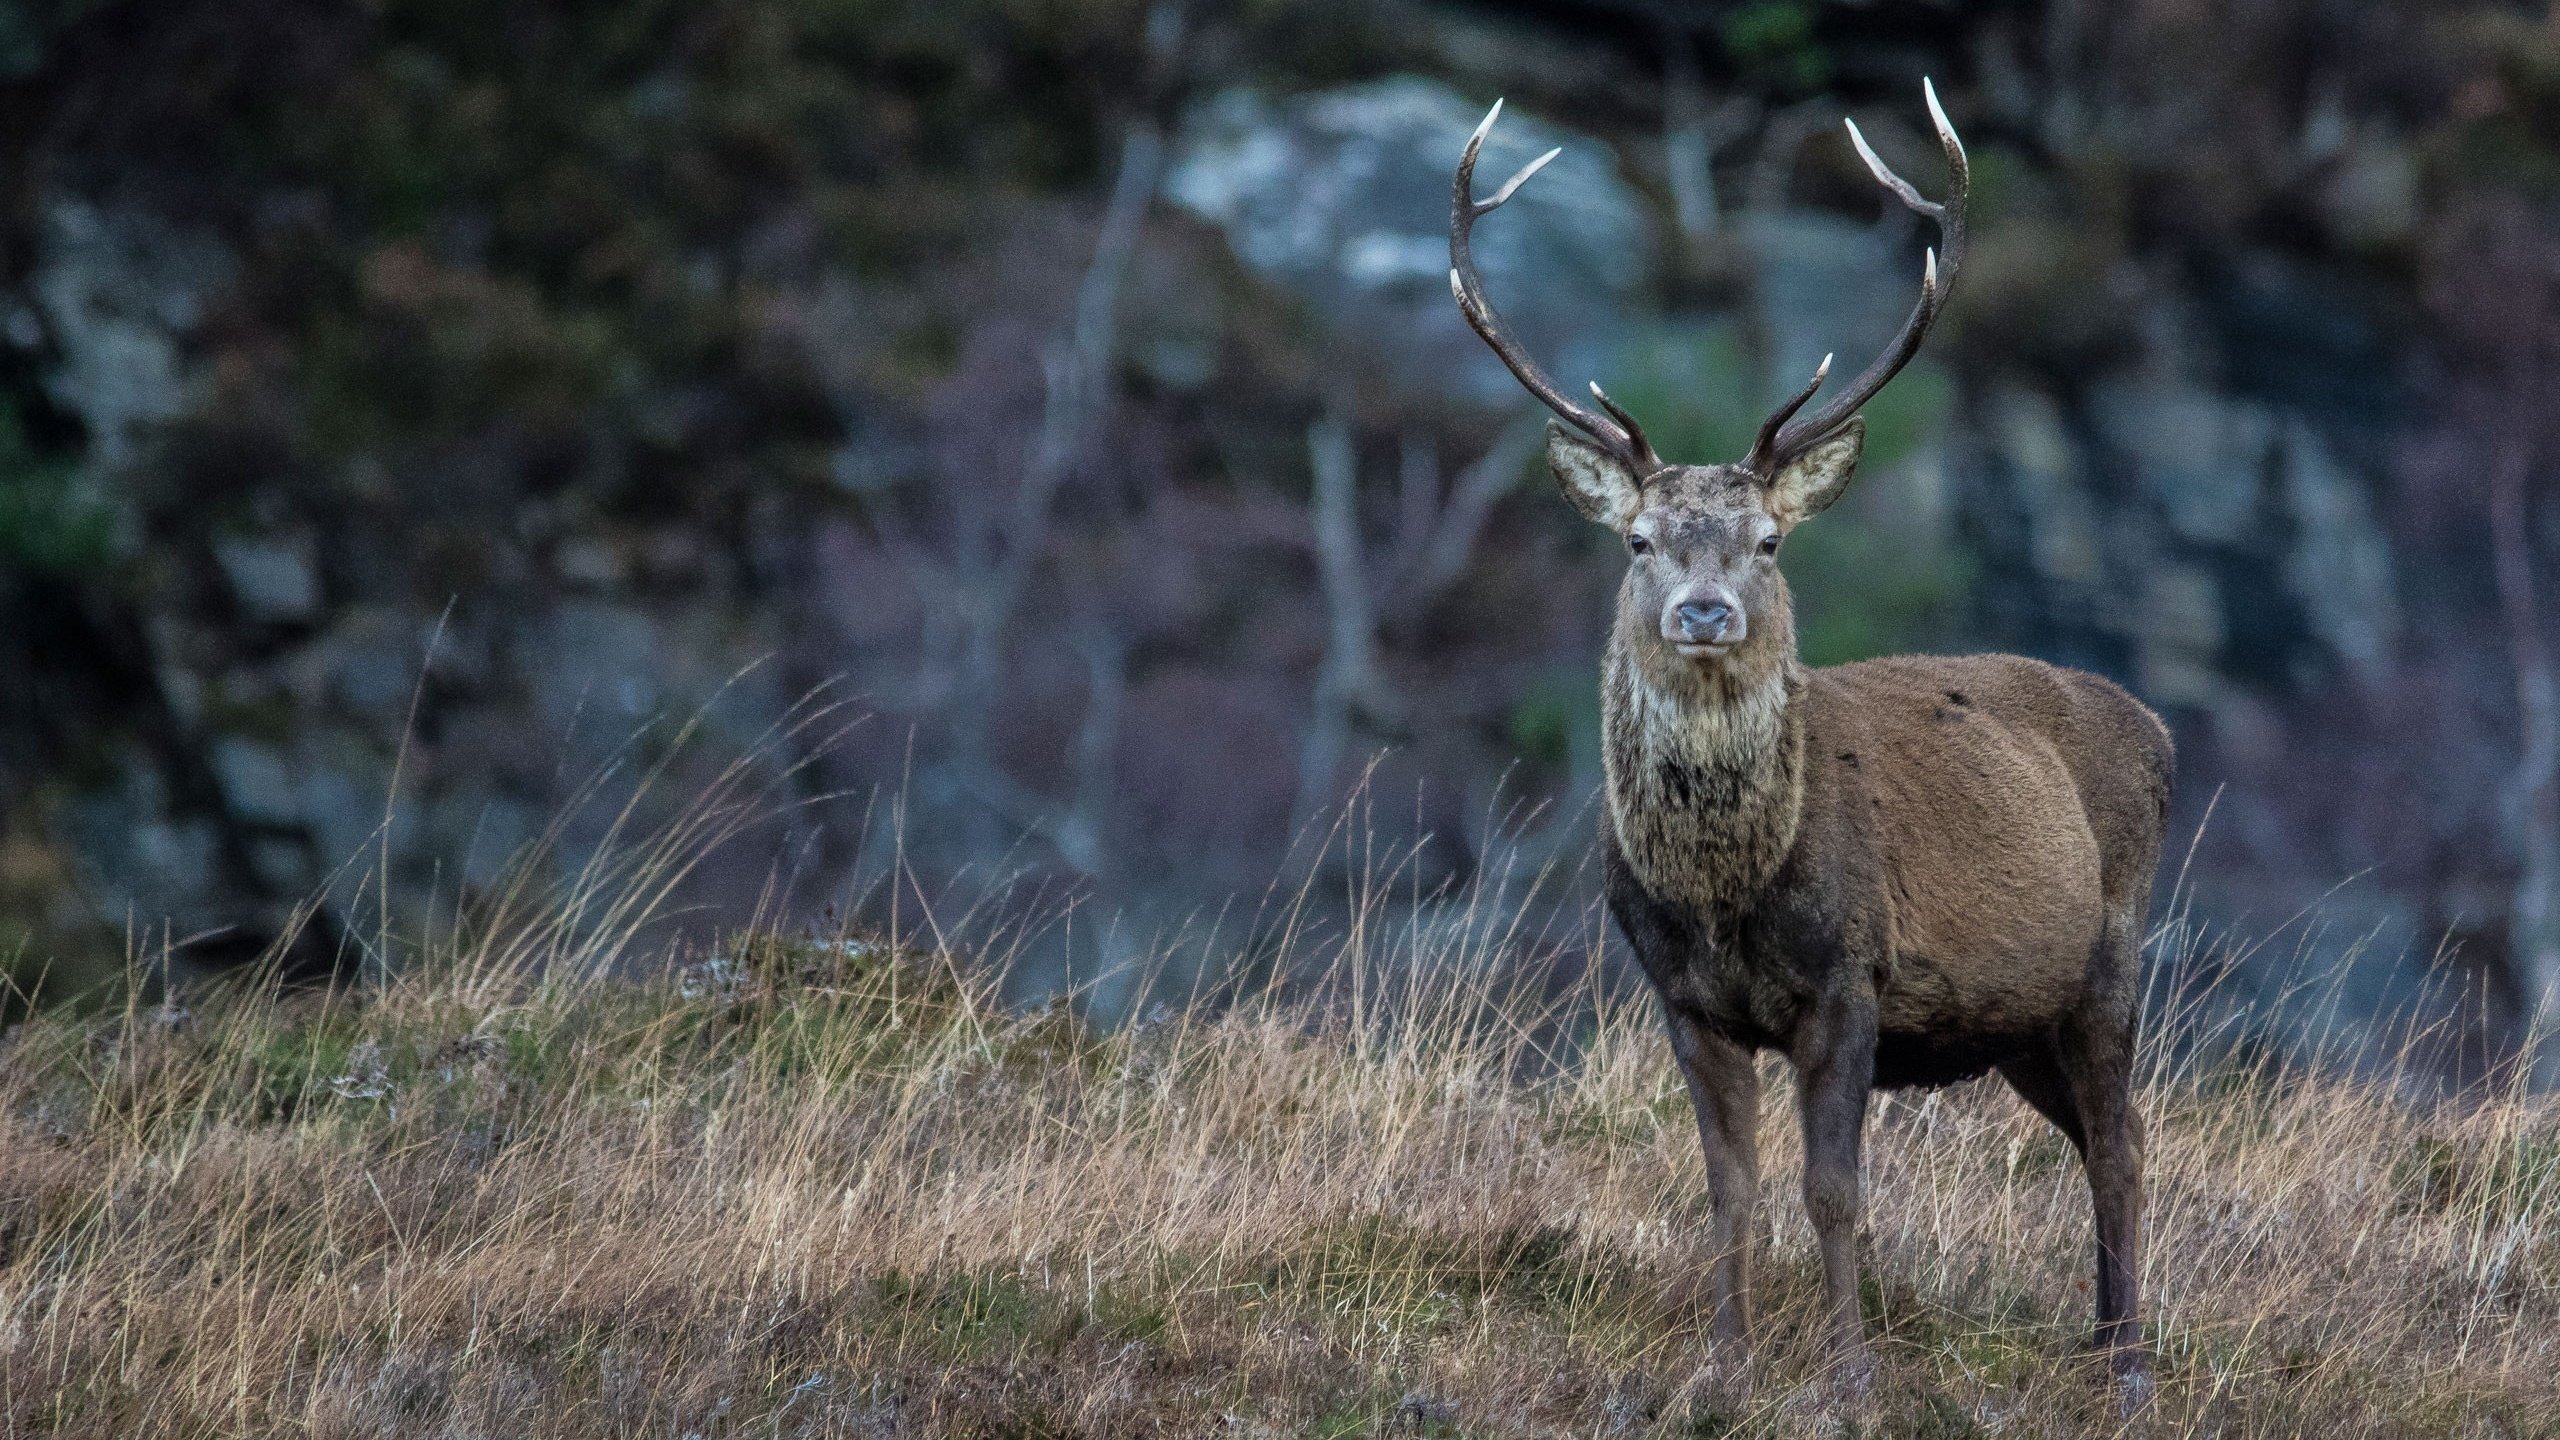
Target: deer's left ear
1814, 479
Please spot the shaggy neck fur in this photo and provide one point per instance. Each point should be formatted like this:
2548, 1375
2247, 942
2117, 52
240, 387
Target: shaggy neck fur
1705, 764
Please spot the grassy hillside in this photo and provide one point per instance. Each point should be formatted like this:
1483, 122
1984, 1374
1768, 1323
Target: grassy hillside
828, 1188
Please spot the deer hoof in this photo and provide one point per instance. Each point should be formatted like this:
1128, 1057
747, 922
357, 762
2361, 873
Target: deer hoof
1853, 1376
1730, 1376
2133, 1385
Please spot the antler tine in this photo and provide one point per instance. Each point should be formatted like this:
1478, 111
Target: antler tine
1635, 433
1764, 447
1909, 193
1621, 435
1936, 279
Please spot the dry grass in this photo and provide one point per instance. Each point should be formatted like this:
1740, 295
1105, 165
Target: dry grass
542, 1182
827, 1188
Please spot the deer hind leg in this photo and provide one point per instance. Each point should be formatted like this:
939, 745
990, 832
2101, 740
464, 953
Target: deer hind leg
2038, 1078
1724, 1088
2096, 1053
2043, 1080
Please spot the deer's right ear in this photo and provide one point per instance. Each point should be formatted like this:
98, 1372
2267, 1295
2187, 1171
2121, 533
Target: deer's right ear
1598, 483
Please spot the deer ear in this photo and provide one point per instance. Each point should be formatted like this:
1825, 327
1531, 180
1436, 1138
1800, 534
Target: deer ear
1814, 479
1598, 483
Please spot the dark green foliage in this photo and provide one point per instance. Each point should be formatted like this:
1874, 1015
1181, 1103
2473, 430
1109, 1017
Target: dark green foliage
962, 1314
50, 522
1773, 42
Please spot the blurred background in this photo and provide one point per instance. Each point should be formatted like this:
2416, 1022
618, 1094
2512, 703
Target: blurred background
460, 395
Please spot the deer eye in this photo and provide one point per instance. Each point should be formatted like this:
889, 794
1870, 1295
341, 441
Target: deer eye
1638, 545
1768, 546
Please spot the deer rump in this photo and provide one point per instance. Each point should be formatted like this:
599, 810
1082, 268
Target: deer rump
1958, 808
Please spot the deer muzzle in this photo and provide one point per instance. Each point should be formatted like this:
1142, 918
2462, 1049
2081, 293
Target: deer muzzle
1705, 626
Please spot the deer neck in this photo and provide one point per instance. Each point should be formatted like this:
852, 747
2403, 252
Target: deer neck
1705, 766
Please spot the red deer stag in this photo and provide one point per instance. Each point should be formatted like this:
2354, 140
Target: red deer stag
1905, 871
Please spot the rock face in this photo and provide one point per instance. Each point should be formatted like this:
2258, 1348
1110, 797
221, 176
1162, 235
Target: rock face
277, 665
118, 290
2210, 548
2200, 544
1343, 197
489, 448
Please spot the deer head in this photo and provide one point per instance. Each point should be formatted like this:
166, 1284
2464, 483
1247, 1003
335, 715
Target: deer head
1702, 540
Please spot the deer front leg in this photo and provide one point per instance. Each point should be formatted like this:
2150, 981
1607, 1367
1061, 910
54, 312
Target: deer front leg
1724, 1088
1835, 1061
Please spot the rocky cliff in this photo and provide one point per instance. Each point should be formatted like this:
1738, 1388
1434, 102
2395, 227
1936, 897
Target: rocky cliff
417, 422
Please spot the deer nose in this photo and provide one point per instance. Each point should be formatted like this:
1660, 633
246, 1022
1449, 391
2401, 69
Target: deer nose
1709, 622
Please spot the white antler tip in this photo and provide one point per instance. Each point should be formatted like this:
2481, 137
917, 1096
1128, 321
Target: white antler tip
1938, 116
1866, 152
1484, 127
1823, 370
1929, 271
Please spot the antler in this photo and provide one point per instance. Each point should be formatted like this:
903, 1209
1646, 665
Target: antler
1617, 431
1780, 441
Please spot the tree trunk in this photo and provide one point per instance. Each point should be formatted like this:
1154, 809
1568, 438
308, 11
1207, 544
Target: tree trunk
1348, 679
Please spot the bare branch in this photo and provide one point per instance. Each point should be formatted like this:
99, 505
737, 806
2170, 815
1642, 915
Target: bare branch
1348, 682
1452, 538
1077, 369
